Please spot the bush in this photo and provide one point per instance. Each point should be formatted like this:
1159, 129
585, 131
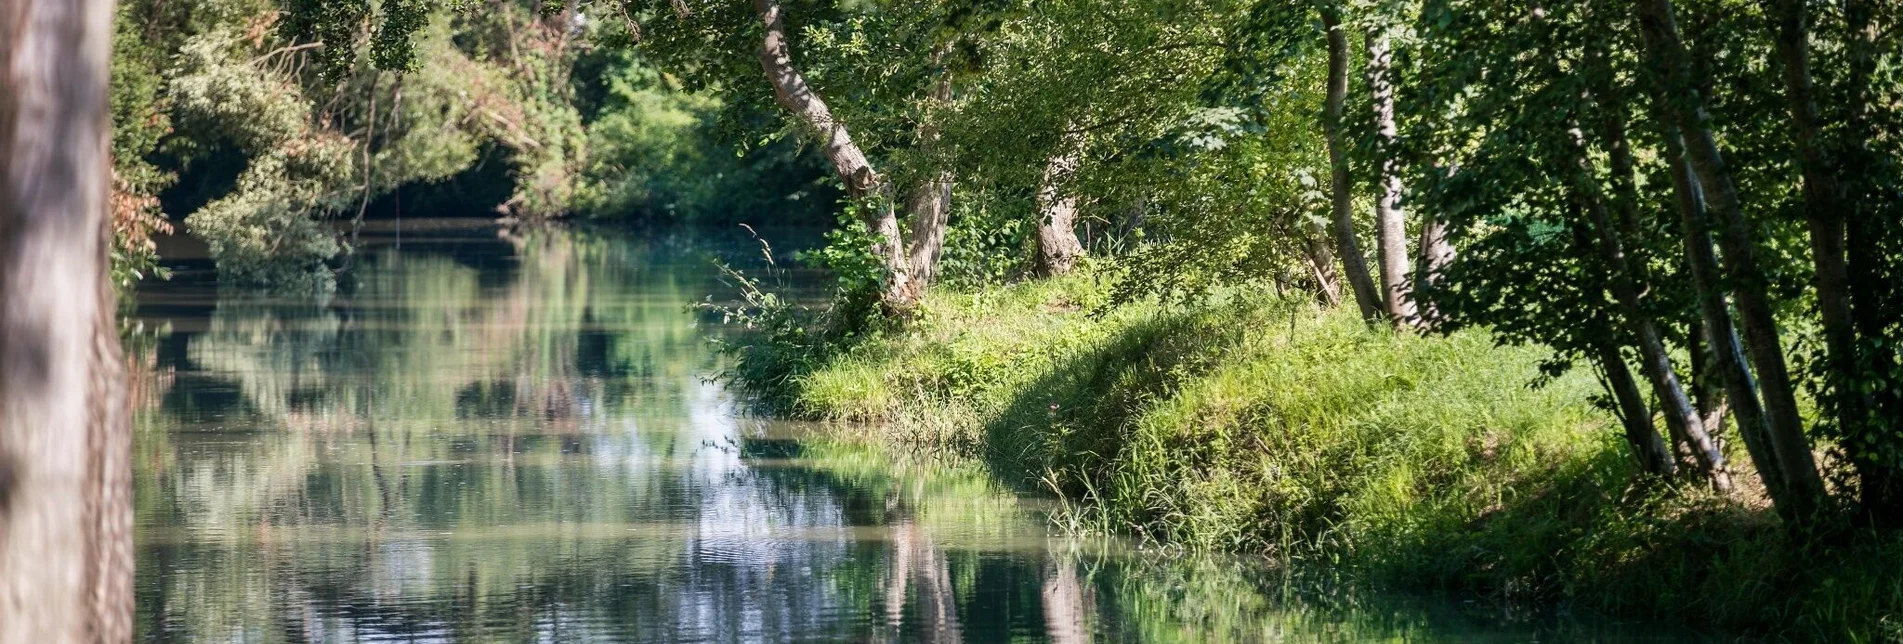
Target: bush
1261, 424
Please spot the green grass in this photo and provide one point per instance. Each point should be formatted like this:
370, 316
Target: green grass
1260, 425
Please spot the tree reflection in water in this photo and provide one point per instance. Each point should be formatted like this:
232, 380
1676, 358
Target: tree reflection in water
510, 437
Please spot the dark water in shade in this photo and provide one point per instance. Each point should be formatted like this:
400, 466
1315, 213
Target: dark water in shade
511, 438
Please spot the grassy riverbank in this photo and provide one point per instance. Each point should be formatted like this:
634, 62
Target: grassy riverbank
1268, 426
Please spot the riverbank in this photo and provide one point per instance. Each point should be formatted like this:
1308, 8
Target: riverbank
1263, 425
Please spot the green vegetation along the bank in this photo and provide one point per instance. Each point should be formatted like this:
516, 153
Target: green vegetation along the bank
1263, 424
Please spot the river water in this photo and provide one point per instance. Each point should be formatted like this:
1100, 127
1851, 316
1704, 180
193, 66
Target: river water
493, 436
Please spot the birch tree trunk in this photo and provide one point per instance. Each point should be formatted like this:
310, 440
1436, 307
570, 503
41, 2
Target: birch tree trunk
1354, 265
1057, 247
1685, 111
65, 477
862, 181
1389, 225
1436, 254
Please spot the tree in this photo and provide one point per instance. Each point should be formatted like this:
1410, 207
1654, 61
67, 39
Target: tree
1791, 466
862, 181
1354, 263
65, 470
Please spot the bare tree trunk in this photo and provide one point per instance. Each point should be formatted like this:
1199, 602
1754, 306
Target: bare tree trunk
1390, 226
1715, 319
1354, 265
1708, 390
65, 474
1824, 214
929, 206
1644, 439
1686, 111
1057, 247
1321, 262
1436, 254
863, 182
1687, 427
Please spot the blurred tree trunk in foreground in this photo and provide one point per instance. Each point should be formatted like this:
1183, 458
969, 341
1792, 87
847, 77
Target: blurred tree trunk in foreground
65, 479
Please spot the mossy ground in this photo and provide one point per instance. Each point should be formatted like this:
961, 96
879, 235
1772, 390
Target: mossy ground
1259, 424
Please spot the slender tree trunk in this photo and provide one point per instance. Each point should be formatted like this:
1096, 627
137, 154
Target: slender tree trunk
1687, 427
1644, 438
1686, 111
1390, 226
1353, 263
929, 205
1824, 210
862, 181
1721, 337
65, 473
1057, 247
1436, 254
1321, 262
1708, 390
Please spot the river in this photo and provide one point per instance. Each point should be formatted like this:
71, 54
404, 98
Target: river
494, 436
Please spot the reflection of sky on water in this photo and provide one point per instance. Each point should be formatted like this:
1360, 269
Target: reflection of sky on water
511, 438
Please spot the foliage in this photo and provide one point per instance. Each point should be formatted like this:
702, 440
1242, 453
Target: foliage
1253, 423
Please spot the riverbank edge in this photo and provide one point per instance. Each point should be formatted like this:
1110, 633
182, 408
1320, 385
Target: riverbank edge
1260, 425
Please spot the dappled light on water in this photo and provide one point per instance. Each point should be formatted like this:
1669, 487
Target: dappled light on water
515, 436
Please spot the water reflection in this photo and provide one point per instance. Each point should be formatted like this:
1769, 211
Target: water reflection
500, 436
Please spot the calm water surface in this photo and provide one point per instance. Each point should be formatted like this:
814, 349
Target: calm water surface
512, 437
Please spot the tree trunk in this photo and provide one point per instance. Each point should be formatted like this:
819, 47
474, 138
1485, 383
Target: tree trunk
1687, 427
65, 474
1436, 254
1354, 264
1321, 262
1708, 390
1390, 227
1057, 247
1644, 439
929, 206
1824, 214
1715, 318
863, 183
1686, 111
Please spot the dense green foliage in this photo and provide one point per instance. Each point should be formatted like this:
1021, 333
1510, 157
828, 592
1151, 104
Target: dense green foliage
1687, 214
1256, 423
259, 130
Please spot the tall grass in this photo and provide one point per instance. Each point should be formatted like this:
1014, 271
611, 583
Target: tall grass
1258, 424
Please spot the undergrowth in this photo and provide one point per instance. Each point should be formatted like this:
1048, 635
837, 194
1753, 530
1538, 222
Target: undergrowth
1258, 424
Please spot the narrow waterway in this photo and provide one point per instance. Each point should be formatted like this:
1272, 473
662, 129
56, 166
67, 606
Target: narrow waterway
490, 436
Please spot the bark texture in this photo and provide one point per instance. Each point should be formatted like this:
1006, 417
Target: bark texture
1057, 247
65, 478
1353, 263
1390, 227
1685, 111
862, 181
